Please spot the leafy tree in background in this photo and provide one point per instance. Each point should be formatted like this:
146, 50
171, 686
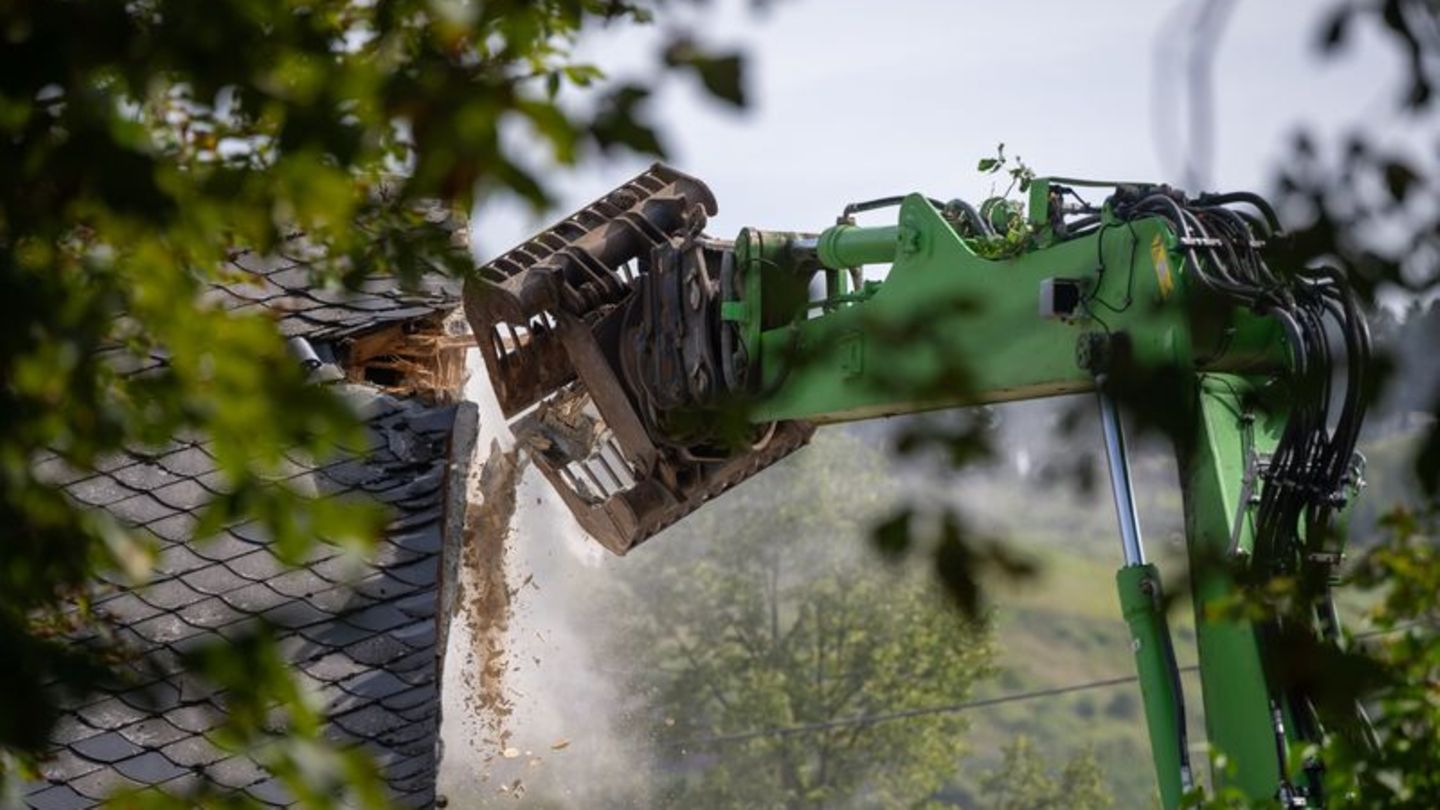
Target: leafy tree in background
764, 616
140, 142
1023, 782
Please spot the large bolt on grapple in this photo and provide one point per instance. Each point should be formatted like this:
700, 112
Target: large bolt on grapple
600, 336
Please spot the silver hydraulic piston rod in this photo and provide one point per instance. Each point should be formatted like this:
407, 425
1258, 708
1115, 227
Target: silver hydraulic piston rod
1120, 486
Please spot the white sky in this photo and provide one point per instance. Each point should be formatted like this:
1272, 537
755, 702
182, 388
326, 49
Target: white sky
852, 100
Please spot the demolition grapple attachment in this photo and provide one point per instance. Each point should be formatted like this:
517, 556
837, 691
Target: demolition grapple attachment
602, 340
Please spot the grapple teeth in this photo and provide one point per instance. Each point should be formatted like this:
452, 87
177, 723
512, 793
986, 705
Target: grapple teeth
562, 325
581, 263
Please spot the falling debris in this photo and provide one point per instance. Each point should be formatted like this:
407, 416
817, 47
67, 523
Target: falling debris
559, 427
510, 753
487, 595
560, 744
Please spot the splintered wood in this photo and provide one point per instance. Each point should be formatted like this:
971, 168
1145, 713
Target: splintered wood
422, 358
486, 595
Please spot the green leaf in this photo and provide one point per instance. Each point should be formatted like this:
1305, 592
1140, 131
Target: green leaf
892, 537
1399, 179
620, 122
720, 73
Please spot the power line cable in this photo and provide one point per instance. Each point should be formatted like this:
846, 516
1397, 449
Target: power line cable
1017, 697
873, 719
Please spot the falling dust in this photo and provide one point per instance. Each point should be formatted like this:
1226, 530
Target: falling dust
533, 709
487, 595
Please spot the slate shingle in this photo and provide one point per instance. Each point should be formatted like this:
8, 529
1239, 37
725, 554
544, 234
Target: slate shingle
339, 599
192, 752
410, 766
170, 594
99, 490
374, 685
152, 733
64, 765
254, 597
294, 614
102, 783
210, 613
271, 792
177, 528
377, 650
150, 768
300, 582
71, 729
140, 509
185, 495
196, 719
109, 714
417, 606
371, 721
167, 628
153, 698
257, 564
334, 667
410, 698
145, 476
58, 797
235, 772
418, 635
127, 607
378, 618
214, 579
221, 548
188, 462
335, 634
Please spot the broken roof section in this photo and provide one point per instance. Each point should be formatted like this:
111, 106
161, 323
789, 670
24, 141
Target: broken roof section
363, 635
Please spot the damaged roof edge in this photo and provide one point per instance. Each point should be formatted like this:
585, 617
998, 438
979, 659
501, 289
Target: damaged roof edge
464, 439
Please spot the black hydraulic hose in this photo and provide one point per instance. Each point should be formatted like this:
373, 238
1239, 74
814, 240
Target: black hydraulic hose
883, 202
1182, 733
1250, 198
1081, 225
972, 216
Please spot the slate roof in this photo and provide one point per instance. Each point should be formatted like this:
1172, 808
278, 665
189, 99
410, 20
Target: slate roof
363, 635
283, 284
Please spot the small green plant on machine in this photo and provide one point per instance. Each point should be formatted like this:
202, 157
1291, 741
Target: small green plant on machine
1010, 230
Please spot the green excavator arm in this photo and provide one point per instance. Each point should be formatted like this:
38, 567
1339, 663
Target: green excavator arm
649, 367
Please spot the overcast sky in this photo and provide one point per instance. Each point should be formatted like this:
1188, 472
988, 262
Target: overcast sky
852, 100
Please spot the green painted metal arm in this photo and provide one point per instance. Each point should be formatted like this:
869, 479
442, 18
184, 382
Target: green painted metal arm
943, 310
1142, 605
948, 327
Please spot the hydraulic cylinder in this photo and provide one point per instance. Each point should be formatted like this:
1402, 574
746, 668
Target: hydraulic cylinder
843, 246
1143, 606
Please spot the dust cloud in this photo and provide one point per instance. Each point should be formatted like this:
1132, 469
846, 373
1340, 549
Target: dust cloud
530, 710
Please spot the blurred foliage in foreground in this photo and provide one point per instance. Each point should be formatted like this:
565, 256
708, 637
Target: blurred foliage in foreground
140, 142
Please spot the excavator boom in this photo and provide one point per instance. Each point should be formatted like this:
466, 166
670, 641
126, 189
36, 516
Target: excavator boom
649, 367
